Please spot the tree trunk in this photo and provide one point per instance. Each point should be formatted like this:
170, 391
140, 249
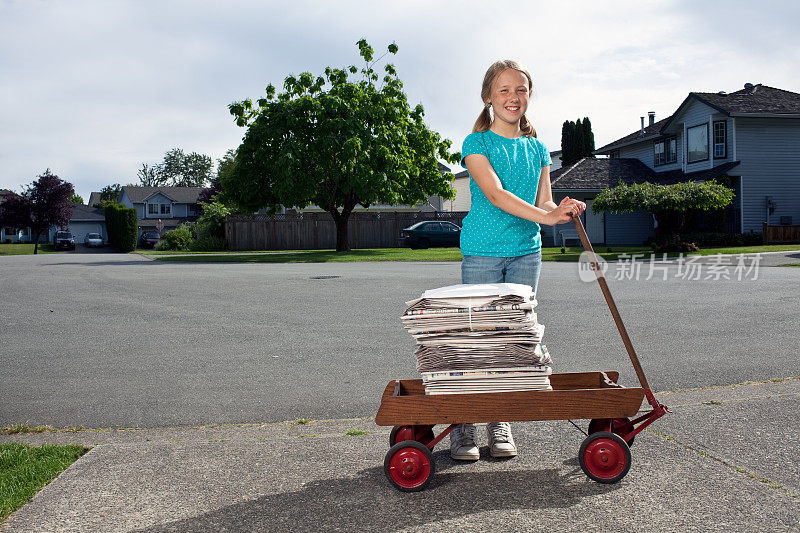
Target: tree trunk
36, 243
341, 220
341, 233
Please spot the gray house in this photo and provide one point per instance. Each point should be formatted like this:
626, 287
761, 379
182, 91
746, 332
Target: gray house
171, 205
750, 136
84, 219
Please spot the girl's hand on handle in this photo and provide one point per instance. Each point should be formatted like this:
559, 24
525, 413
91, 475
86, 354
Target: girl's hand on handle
566, 210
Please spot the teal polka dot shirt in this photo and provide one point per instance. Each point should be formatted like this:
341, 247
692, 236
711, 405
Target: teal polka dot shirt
488, 230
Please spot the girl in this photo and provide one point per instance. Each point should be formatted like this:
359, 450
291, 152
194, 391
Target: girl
511, 196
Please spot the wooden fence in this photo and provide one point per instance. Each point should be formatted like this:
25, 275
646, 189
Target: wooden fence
317, 231
780, 234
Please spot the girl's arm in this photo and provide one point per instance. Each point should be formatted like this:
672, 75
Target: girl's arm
544, 195
484, 175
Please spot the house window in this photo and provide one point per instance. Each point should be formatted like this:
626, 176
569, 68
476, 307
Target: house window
165, 209
720, 138
658, 153
25, 232
697, 143
9, 231
664, 152
192, 209
152, 209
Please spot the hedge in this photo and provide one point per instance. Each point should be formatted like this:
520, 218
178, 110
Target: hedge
122, 226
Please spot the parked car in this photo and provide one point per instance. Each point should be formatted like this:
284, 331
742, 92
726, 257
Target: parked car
430, 233
149, 240
93, 239
65, 240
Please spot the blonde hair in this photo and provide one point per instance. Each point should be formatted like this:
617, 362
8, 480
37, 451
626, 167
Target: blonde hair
485, 118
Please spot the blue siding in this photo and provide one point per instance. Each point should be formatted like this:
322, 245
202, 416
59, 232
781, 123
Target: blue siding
629, 228
770, 166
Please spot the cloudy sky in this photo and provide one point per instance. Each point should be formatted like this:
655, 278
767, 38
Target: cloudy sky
92, 90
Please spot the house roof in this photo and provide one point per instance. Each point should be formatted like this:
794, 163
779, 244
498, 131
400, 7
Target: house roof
650, 132
86, 213
593, 173
462, 174
94, 198
181, 195
756, 100
555, 154
597, 174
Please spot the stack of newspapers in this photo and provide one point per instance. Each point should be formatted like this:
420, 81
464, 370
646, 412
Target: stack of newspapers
478, 338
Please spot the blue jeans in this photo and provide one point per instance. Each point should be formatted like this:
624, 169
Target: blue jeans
523, 269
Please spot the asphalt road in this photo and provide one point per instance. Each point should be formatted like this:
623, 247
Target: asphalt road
106, 340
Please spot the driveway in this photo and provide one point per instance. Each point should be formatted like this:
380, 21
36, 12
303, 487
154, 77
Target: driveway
112, 340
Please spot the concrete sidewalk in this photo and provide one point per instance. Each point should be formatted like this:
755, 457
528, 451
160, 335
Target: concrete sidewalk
725, 459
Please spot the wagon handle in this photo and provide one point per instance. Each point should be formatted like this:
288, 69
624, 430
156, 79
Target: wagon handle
610, 301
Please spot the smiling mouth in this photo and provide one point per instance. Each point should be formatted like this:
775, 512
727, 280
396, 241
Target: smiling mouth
513, 109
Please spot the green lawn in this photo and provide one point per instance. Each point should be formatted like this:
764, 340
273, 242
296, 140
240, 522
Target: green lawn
25, 469
376, 254
24, 249
431, 254
750, 249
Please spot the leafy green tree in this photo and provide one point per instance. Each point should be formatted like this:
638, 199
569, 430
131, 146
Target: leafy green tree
588, 138
669, 203
180, 169
76, 199
110, 193
150, 176
577, 141
224, 167
336, 142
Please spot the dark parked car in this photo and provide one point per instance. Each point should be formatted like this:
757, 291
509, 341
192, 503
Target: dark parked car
65, 240
149, 240
430, 233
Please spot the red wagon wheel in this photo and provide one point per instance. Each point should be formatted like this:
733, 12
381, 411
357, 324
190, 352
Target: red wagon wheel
620, 426
409, 465
423, 434
605, 457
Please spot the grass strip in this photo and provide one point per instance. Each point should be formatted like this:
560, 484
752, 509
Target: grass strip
571, 254
25, 469
379, 254
25, 249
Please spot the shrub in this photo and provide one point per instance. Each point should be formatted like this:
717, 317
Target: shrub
121, 224
712, 239
9, 240
212, 222
682, 247
177, 239
207, 244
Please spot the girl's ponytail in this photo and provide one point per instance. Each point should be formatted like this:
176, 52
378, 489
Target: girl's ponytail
484, 120
526, 127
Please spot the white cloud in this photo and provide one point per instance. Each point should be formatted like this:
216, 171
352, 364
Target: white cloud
93, 89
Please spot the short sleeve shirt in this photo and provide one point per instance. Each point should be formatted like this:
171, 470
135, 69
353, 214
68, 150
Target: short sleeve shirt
488, 230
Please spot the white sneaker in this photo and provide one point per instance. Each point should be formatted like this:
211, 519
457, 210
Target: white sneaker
501, 442
462, 443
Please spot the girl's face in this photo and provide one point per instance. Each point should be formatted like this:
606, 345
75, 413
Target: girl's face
509, 96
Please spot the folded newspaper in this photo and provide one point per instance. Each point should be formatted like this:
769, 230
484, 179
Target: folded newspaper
478, 338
